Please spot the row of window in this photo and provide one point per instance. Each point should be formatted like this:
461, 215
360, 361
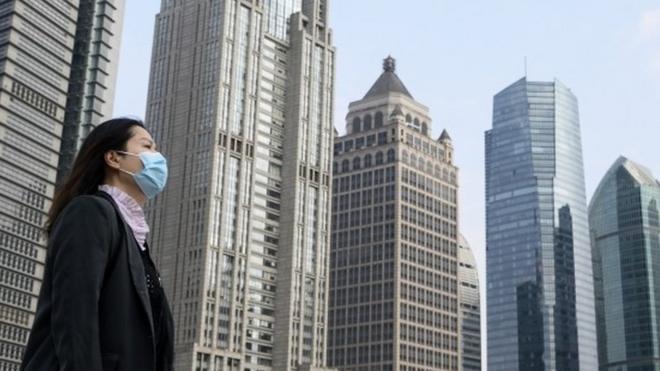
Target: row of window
428, 357
362, 217
17, 262
353, 237
16, 280
361, 315
33, 98
428, 222
375, 292
425, 238
428, 336
362, 274
11, 351
15, 316
365, 254
7, 241
374, 353
430, 258
430, 298
428, 278
428, 185
366, 161
364, 123
13, 333
363, 180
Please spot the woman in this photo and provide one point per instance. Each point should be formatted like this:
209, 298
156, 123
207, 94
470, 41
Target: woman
101, 306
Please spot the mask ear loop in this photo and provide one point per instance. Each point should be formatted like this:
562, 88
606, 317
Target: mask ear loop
130, 154
125, 171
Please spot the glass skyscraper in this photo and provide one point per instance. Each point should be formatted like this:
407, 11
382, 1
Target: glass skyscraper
539, 275
470, 307
625, 233
240, 100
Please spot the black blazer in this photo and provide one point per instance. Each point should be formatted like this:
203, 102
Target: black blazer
94, 312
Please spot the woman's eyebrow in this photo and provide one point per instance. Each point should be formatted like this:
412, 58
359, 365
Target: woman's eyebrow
151, 142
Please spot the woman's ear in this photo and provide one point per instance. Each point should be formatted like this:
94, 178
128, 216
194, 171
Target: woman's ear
112, 159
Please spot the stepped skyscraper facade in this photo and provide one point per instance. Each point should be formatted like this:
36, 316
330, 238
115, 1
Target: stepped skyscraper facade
539, 269
55, 57
240, 101
394, 261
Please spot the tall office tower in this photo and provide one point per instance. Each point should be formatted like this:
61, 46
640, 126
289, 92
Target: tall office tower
93, 75
625, 236
37, 44
470, 307
394, 250
240, 101
540, 288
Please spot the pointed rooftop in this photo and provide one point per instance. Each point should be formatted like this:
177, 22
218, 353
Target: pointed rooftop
641, 175
388, 82
444, 135
397, 111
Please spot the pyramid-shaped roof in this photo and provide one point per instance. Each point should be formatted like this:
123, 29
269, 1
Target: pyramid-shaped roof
388, 81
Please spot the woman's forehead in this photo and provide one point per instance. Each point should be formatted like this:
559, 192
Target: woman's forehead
141, 134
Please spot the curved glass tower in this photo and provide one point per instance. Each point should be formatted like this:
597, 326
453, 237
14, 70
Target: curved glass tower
468, 298
625, 235
540, 290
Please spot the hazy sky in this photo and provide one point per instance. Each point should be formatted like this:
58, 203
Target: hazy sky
453, 56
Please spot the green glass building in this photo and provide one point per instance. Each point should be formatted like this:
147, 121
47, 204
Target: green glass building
625, 233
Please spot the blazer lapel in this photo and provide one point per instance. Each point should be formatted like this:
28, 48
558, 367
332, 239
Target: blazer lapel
136, 267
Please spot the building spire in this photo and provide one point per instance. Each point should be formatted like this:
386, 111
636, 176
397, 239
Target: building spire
389, 64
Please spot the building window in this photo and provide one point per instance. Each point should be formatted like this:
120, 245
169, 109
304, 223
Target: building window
357, 163
379, 158
390, 155
357, 125
378, 119
367, 122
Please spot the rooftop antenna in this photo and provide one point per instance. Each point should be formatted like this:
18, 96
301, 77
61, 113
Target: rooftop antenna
525, 67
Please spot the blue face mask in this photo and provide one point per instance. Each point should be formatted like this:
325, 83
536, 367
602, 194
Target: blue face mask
153, 176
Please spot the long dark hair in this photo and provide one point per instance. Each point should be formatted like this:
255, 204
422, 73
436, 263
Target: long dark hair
88, 170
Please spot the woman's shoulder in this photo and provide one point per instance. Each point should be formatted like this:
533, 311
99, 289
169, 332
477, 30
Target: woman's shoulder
90, 207
92, 203
85, 215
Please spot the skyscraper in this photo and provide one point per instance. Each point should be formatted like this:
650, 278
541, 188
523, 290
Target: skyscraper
240, 101
470, 307
394, 250
625, 233
539, 275
38, 52
93, 75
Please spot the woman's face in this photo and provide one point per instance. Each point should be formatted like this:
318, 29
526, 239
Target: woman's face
141, 141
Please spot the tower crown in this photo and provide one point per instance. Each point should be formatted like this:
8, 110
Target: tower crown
388, 82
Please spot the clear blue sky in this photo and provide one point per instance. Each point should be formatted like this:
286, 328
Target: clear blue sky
454, 56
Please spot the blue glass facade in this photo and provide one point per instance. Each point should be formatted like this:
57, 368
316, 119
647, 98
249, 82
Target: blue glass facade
625, 233
540, 293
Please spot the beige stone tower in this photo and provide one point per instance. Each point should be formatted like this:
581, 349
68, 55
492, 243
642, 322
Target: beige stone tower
394, 259
240, 100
